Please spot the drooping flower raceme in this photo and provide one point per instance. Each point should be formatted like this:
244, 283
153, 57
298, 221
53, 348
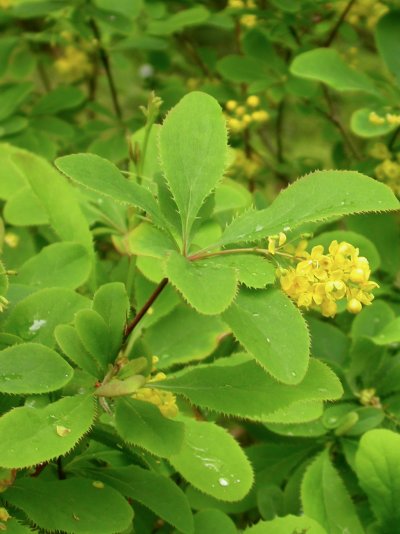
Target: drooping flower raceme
321, 279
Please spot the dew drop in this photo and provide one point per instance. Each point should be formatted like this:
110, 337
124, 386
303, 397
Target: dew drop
37, 325
223, 482
286, 228
259, 227
293, 373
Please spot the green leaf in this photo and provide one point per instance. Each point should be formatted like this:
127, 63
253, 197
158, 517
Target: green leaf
372, 319
70, 343
212, 461
239, 68
11, 96
95, 336
378, 470
213, 521
14, 527
207, 285
252, 270
192, 16
328, 342
56, 196
388, 334
59, 99
331, 505
363, 127
327, 66
32, 368
272, 329
318, 196
381, 229
183, 336
72, 506
60, 264
286, 525
158, 493
193, 151
121, 388
141, 423
102, 176
29, 435
230, 195
146, 240
36, 316
11, 178
386, 37
112, 303
239, 386
25, 209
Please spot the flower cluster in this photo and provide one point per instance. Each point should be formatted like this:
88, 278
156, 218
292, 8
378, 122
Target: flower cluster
388, 171
245, 166
389, 118
164, 400
74, 64
248, 20
241, 116
321, 279
364, 13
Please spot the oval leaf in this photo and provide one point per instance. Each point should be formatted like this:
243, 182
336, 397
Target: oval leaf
212, 461
32, 435
32, 368
273, 330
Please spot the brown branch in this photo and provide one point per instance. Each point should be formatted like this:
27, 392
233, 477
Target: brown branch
142, 312
338, 24
107, 67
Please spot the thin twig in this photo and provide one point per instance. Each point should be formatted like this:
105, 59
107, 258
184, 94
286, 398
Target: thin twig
142, 312
393, 139
334, 118
338, 24
107, 67
279, 131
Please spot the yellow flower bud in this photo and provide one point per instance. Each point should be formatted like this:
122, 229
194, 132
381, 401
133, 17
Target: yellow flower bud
253, 101
231, 105
260, 115
246, 119
354, 306
235, 125
328, 308
240, 111
282, 239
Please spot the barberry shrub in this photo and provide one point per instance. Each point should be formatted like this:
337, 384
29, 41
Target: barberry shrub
114, 378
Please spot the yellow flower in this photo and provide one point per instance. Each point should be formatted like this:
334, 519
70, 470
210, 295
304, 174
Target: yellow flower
231, 105
393, 119
73, 64
321, 279
380, 151
374, 118
248, 20
260, 115
253, 101
164, 400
